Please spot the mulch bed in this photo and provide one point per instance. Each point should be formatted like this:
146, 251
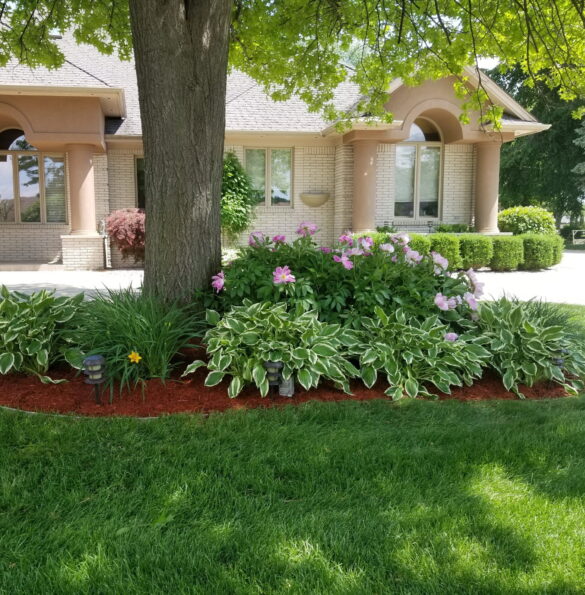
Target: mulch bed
189, 395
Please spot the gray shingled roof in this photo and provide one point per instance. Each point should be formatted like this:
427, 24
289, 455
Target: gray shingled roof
248, 108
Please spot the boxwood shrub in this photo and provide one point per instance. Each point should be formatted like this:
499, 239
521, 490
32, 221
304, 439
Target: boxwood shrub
558, 248
508, 253
539, 251
420, 243
476, 251
448, 246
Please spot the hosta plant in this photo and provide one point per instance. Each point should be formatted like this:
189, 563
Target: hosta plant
526, 348
412, 354
254, 333
32, 327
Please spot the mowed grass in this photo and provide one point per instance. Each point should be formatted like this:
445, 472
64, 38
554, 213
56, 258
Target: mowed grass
415, 497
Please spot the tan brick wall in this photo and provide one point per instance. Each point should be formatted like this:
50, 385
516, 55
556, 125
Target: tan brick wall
385, 184
313, 171
31, 242
343, 189
82, 253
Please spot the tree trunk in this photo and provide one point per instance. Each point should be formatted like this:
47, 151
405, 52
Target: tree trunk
181, 52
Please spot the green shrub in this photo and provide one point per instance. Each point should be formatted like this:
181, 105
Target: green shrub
539, 251
237, 204
118, 323
342, 283
420, 243
567, 231
386, 229
252, 334
454, 228
476, 251
379, 237
447, 245
558, 247
525, 348
521, 220
33, 330
412, 354
508, 253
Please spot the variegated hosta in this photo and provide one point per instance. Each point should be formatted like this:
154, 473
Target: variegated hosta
525, 348
254, 333
412, 354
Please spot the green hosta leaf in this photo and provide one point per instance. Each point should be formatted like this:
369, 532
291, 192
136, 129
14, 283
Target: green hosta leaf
407, 357
43, 359
223, 362
6, 362
301, 354
264, 387
529, 368
395, 392
33, 346
369, 375
411, 387
192, 367
48, 380
324, 350
509, 379
214, 378
235, 387
304, 377
259, 374
382, 316
250, 338
74, 357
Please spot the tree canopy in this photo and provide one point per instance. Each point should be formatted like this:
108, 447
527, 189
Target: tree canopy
539, 169
297, 46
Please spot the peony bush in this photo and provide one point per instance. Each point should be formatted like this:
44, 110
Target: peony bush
346, 281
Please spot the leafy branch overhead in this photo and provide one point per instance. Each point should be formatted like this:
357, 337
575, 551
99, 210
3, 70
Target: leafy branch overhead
301, 47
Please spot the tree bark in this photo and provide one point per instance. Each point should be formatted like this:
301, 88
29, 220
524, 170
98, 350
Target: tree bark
181, 53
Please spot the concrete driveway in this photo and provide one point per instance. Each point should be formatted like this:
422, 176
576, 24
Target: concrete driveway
563, 283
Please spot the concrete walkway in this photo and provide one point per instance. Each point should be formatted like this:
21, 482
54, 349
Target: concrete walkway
563, 283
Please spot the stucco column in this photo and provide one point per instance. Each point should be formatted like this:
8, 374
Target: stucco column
487, 181
364, 185
81, 190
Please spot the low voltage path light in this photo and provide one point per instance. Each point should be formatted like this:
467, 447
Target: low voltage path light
94, 367
273, 373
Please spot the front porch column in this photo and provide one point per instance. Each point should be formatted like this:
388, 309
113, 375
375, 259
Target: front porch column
83, 248
365, 154
81, 190
487, 182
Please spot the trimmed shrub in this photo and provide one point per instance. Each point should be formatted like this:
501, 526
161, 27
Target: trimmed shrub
539, 251
126, 230
236, 197
379, 237
447, 245
558, 248
476, 251
508, 253
420, 243
521, 220
454, 228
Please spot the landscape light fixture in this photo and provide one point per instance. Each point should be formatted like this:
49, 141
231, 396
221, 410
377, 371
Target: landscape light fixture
94, 367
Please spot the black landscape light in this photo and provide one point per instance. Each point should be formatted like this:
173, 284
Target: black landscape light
94, 367
273, 372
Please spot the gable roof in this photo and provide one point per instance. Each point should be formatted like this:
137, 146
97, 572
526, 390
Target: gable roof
248, 108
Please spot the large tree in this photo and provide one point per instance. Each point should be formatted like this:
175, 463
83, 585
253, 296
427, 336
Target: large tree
539, 169
181, 49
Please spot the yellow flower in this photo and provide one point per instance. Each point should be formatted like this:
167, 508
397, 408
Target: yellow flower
134, 357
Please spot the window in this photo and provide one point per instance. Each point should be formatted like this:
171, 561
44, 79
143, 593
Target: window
32, 183
418, 172
140, 193
271, 173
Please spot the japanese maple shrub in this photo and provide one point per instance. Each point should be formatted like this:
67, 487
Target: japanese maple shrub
125, 228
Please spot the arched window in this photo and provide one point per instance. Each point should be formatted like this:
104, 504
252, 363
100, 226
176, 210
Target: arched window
418, 172
32, 183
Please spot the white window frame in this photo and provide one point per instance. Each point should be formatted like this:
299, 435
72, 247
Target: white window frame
16, 187
268, 175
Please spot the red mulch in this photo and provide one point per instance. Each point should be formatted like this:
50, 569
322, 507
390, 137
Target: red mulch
190, 395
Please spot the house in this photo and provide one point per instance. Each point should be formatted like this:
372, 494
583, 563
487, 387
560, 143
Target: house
71, 152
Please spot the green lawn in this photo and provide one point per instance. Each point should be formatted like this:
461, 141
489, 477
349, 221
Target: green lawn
418, 497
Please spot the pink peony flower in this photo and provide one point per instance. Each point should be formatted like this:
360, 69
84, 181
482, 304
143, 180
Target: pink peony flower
218, 281
344, 260
354, 252
387, 247
402, 238
475, 283
306, 228
345, 239
256, 238
282, 275
325, 249
441, 302
412, 256
439, 260
279, 239
451, 336
471, 301
366, 243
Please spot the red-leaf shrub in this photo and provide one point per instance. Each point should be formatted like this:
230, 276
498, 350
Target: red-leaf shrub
126, 230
